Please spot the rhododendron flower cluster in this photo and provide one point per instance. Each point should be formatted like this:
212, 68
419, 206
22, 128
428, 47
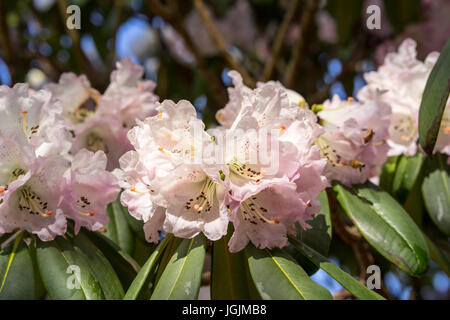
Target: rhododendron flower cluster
41, 184
57, 144
183, 180
355, 138
264, 168
66, 151
101, 122
400, 83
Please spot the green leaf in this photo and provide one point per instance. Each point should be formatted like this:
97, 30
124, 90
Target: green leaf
66, 274
17, 281
182, 276
434, 100
118, 229
124, 265
318, 237
386, 226
172, 246
346, 280
100, 266
142, 250
139, 283
228, 279
436, 191
278, 276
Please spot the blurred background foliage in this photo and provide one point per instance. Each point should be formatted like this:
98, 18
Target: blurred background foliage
316, 47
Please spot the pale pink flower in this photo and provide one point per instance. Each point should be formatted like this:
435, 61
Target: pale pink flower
430, 33
92, 188
37, 116
168, 172
267, 213
100, 122
401, 81
270, 103
128, 94
103, 132
79, 100
355, 139
266, 200
239, 97
31, 189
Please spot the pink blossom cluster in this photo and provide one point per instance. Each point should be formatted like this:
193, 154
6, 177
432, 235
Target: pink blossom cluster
66, 150
339, 140
58, 145
400, 83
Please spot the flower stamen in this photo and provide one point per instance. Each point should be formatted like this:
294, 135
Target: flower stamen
86, 214
204, 200
133, 189
161, 149
24, 122
249, 208
33, 204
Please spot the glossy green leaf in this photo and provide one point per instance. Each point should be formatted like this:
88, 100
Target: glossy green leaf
434, 100
66, 274
386, 226
124, 265
100, 266
172, 246
142, 250
318, 237
228, 279
118, 229
139, 283
436, 191
182, 276
17, 281
346, 280
277, 276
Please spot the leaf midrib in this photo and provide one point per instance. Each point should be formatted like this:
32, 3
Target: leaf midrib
69, 264
11, 258
285, 274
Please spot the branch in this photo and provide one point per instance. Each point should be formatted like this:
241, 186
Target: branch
276, 48
216, 86
300, 47
220, 42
